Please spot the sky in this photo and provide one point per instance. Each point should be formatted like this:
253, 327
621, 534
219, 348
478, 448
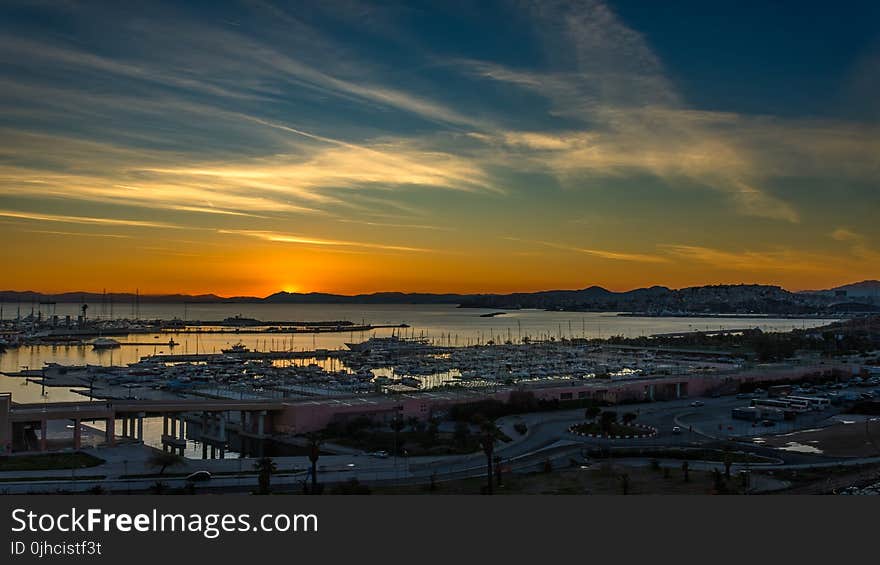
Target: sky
247, 147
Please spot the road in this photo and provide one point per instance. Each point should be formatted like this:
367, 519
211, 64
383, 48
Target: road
547, 437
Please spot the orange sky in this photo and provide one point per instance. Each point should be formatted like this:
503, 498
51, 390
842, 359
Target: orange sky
171, 152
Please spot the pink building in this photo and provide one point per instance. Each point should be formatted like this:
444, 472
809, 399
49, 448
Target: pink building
312, 415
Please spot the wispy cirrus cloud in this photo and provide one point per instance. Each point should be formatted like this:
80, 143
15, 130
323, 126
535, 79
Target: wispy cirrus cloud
281, 237
765, 261
600, 253
86, 220
859, 245
605, 77
274, 117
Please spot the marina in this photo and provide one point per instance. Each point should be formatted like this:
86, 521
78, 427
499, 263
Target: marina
191, 362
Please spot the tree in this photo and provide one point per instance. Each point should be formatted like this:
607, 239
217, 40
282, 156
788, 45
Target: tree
159, 487
717, 481
607, 419
490, 434
413, 423
685, 467
397, 425
629, 417
163, 460
591, 412
431, 433
265, 466
314, 453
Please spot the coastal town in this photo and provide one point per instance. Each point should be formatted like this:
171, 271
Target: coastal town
404, 411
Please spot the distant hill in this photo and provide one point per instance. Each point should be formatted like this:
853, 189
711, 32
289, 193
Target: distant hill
863, 288
26, 297
719, 299
658, 300
866, 290
376, 298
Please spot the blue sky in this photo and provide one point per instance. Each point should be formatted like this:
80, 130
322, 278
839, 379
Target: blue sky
440, 146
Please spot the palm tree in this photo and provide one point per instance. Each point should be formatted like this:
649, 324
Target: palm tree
314, 453
490, 434
608, 418
163, 459
265, 466
397, 425
592, 411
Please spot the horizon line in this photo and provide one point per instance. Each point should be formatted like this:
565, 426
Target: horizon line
432, 293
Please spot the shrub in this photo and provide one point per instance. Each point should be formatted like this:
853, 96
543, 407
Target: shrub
351, 486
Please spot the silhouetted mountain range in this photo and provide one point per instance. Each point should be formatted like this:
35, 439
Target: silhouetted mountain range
719, 299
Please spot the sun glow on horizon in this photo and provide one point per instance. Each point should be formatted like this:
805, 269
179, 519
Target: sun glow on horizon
572, 146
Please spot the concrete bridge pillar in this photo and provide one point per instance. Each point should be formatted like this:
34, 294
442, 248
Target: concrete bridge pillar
125, 426
44, 430
140, 427
221, 421
650, 392
182, 427
173, 425
677, 390
77, 434
110, 431
164, 424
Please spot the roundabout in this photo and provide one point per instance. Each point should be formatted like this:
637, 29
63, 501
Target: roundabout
614, 431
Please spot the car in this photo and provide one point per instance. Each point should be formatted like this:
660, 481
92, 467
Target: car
743, 396
198, 476
380, 454
697, 403
676, 430
768, 423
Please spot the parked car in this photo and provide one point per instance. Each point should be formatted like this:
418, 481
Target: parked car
198, 476
697, 403
676, 430
380, 454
